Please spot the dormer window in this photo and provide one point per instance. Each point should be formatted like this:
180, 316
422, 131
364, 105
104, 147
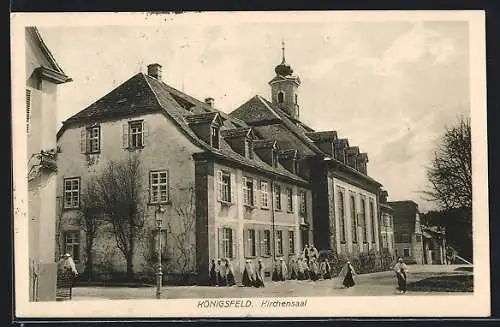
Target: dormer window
296, 167
275, 158
215, 137
248, 149
281, 97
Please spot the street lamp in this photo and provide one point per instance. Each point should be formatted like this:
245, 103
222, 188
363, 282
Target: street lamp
159, 274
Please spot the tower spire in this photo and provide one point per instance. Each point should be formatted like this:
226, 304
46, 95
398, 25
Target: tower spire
283, 51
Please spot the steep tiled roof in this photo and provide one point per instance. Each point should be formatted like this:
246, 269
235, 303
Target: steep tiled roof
46, 52
322, 136
287, 154
263, 144
144, 94
236, 132
207, 117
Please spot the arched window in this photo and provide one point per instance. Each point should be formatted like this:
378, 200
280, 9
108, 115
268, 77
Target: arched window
281, 97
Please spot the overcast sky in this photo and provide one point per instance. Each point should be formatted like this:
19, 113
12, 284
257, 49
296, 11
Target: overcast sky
389, 87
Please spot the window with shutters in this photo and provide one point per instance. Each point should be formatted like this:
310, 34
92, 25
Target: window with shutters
354, 220
266, 242
289, 199
93, 141
224, 186
341, 207
248, 191
362, 216
372, 220
28, 110
279, 242
277, 197
158, 186
71, 193
264, 194
72, 245
251, 243
303, 204
136, 134
291, 241
227, 243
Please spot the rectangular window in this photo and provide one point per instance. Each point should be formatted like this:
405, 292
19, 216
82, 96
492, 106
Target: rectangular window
227, 242
93, 139
354, 222
277, 197
289, 197
372, 220
364, 222
251, 243
158, 186
72, 245
71, 193
291, 241
264, 194
406, 252
224, 186
279, 242
248, 191
303, 204
342, 217
136, 134
267, 242
215, 137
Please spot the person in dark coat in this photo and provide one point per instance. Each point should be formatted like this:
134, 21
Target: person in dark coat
248, 275
307, 272
401, 270
306, 253
293, 269
300, 269
314, 272
221, 276
346, 274
275, 275
212, 279
229, 273
259, 275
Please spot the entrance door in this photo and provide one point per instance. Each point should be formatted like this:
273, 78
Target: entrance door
304, 237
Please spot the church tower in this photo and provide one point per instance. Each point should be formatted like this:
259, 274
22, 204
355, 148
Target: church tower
284, 87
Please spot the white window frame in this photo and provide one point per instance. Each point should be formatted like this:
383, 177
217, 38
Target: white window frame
266, 239
371, 209
291, 241
224, 187
227, 242
342, 220
215, 136
135, 134
158, 186
252, 244
69, 245
277, 197
289, 197
354, 218
264, 194
73, 193
303, 203
248, 191
94, 141
279, 242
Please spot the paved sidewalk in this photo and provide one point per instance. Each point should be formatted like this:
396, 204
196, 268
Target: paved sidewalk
375, 284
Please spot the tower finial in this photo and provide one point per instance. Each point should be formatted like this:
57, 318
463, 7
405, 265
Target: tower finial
283, 49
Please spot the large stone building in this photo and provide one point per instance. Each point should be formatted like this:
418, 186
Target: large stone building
43, 75
227, 191
345, 198
407, 231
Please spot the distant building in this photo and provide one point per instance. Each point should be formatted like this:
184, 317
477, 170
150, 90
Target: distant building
43, 75
227, 191
434, 241
386, 225
407, 231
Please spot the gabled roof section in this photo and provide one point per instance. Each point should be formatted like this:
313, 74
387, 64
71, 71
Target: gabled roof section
254, 110
322, 136
54, 68
237, 132
287, 154
206, 118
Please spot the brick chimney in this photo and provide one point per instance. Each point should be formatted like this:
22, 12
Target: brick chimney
210, 101
154, 70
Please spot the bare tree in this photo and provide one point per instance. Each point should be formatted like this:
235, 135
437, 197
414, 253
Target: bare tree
120, 190
450, 173
90, 218
180, 232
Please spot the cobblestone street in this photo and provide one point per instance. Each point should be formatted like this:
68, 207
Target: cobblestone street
379, 284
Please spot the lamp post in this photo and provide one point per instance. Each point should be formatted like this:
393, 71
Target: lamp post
159, 274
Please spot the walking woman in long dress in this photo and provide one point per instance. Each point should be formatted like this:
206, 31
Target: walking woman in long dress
248, 275
259, 275
313, 270
212, 279
67, 273
222, 273
300, 269
293, 269
401, 270
346, 274
229, 273
283, 270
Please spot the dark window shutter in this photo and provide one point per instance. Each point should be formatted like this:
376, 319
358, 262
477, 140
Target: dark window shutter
125, 135
254, 192
258, 245
246, 244
221, 244
233, 244
28, 110
83, 140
